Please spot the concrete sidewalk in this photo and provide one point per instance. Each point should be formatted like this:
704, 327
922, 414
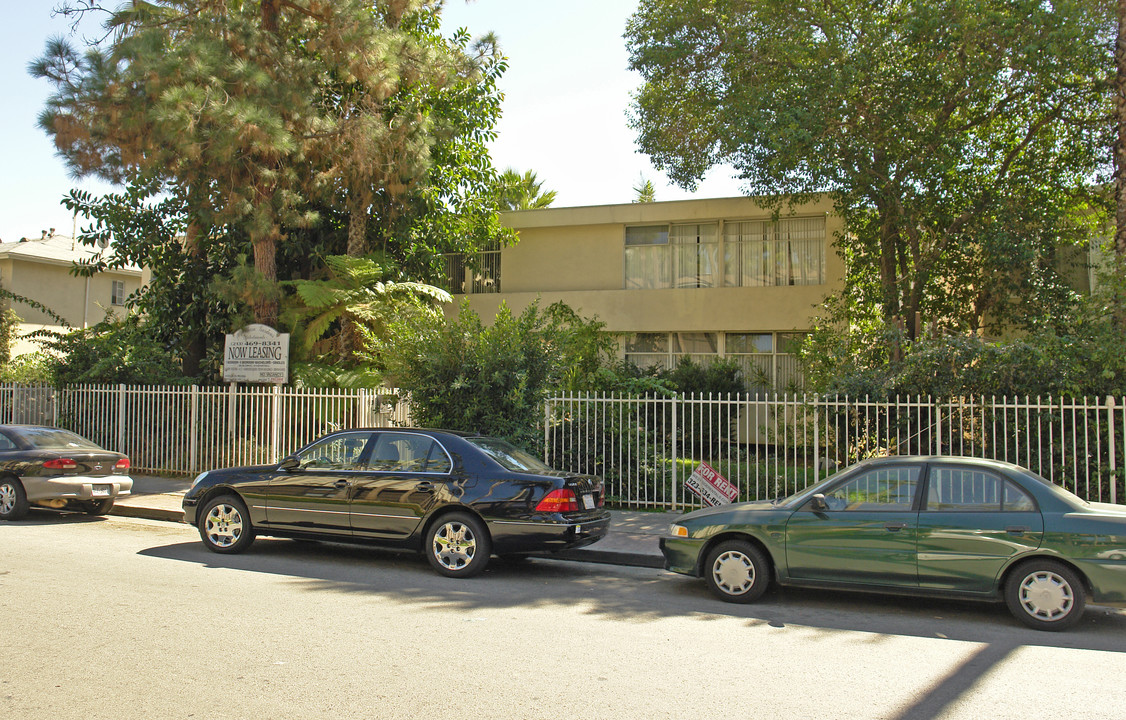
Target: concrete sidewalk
632, 539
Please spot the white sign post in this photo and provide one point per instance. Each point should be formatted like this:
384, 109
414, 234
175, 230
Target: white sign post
256, 353
712, 487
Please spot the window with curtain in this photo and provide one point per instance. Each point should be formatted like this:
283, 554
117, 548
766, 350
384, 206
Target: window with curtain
762, 254
695, 255
648, 262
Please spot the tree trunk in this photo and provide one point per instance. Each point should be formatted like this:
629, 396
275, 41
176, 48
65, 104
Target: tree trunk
265, 302
1120, 168
195, 344
357, 225
889, 282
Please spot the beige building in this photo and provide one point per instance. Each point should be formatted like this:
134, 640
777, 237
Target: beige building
40, 269
700, 278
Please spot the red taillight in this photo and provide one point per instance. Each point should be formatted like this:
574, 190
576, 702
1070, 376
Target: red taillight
61, 464
122, 464
558, 501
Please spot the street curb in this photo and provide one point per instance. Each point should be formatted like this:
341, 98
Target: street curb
626, 559
176, 516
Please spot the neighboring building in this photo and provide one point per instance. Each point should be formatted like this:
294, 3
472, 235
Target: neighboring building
694, 278
40, 269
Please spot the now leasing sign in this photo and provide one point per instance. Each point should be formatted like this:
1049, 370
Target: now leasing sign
712, 487
257, 353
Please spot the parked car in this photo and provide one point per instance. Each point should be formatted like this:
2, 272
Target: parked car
457, 497
55, 468
936, 526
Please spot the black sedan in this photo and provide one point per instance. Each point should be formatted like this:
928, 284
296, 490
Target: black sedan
459, 498
54, 468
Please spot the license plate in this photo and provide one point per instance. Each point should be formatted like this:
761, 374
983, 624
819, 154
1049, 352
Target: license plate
588, 501
102, 490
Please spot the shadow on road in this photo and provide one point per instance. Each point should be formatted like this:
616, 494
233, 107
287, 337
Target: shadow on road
640, 595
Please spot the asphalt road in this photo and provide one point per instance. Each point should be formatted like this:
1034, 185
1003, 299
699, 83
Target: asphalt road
130, 618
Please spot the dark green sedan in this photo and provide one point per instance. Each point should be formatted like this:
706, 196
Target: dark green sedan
936, 526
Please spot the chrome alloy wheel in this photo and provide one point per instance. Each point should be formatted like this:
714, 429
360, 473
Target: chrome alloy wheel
1046, 596
7, 498
223, 525
454, 545
733, 572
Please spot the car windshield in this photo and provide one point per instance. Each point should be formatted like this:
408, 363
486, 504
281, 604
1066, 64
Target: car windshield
801, 495
509, 456
54, 439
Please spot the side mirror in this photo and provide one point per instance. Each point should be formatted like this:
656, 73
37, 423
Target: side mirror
817, 503
289, 463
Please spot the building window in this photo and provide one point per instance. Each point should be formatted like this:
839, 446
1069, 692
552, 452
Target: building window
649, 350
476, 273
754, 253
769, 360
664, 256
117, 294
762, 254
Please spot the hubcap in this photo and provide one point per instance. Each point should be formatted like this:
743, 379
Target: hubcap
733, 572
7, 498
223, 525
454, 545
1046, 596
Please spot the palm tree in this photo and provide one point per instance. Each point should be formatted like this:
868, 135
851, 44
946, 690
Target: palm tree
523, 192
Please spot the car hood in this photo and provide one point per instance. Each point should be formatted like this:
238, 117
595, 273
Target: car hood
712, 513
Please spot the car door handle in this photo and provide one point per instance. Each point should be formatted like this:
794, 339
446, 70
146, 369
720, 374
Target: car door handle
1016, 529
895, 526
424, 487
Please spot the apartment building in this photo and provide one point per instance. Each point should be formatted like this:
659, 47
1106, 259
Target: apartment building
40, 269
706, 279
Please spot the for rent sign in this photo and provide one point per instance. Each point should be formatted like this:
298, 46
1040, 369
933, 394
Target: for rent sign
711, 486
257, 353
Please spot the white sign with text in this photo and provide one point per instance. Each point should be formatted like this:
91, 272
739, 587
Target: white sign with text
256, 353
712, 487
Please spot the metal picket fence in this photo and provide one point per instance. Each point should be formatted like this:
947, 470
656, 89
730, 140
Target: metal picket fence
771, 446
645, 447
186, 429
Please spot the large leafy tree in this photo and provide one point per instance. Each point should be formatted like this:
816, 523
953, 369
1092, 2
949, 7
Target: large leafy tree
956, 136
285, 131
262, 111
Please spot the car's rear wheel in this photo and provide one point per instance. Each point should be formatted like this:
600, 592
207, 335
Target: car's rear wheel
13, 499
225, 525
98, 507
736, 571
458, 545
1046, 595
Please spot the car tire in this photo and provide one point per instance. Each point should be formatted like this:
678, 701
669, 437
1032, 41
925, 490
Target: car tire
736, 572
98, 507
13, 499
1045, 595
224, 525
458, 545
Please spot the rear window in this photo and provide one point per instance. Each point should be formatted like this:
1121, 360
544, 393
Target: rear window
509, 456
54, 439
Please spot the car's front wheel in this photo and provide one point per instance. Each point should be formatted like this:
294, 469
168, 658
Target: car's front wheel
736, 571
225, 525
458, 545
13, 499
1046, 595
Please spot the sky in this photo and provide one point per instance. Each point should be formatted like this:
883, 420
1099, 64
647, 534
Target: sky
566, 95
